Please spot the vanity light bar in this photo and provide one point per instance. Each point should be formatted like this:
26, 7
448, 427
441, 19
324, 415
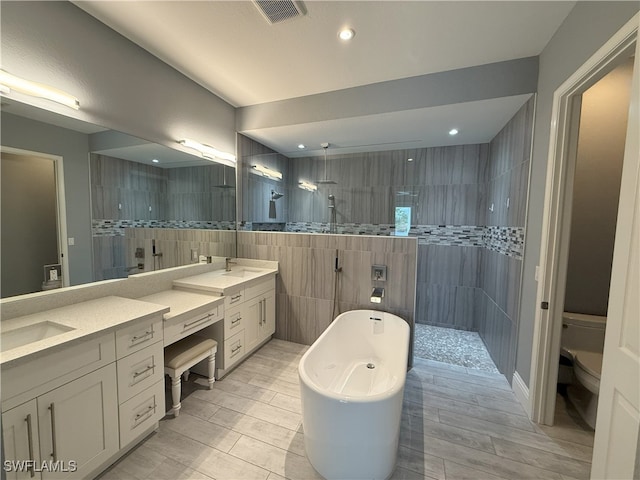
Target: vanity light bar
210, 153
10, 82
266, 172
307, 186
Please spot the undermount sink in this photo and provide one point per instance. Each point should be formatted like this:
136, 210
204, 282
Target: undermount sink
31, 333
243, 272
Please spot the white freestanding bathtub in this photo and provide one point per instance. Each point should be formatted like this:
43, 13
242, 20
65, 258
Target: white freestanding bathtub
352, 383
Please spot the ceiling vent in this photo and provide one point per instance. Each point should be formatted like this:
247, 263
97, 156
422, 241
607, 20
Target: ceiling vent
276, 11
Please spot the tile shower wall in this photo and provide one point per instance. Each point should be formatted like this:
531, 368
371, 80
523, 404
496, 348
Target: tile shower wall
444, 187
253, 205
305, 285
500, 262
127, 194
468, 210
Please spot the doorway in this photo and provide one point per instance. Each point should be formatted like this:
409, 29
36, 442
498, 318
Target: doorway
32, 227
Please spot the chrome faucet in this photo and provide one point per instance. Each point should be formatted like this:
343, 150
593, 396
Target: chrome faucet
228, 262
140, 266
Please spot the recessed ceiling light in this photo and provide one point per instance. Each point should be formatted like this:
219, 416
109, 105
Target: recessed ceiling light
453, 131
155, 160
346, 34
409, 159
301, 146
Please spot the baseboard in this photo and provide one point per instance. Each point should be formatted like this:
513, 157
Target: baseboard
522, 392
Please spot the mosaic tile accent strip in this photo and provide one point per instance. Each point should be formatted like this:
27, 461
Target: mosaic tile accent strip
507, 241
115, 228
450, 235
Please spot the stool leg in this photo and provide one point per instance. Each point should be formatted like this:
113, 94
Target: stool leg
212, 370
185, 375
175, 394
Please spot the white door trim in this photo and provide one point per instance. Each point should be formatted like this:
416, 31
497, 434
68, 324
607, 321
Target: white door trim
546, 336
63, 249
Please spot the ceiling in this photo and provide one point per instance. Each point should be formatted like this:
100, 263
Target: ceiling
231, 50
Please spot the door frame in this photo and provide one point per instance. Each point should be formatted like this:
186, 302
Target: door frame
557, 216
61, 210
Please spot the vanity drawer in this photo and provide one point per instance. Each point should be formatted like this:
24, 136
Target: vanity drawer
234, 320
138, 336
233, 299
233, 349
259, 289
141, 412
139, 371
178, 328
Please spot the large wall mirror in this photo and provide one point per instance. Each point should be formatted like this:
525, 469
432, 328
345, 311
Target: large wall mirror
82, 203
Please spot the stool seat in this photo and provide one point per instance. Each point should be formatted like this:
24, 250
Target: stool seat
179, 357
181, 352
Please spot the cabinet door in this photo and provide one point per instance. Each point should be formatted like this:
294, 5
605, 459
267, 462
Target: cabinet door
268, 326
79, 423
20, 440
252, 324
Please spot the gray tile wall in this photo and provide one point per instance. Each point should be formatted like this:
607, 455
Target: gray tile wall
305, 284
500, 262
468, 210
129, 194
176, 245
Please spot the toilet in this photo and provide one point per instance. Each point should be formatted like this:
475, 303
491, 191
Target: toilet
582, 345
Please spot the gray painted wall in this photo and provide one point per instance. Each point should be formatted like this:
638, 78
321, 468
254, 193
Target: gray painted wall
120, 86
29, 226
586, 28
596, 191
19, 132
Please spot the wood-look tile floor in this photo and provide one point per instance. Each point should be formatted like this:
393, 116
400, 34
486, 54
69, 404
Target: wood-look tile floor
457, 423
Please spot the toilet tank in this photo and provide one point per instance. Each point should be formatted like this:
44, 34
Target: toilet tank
583, 332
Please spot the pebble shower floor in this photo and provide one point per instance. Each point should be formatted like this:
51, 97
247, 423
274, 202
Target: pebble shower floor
455, 347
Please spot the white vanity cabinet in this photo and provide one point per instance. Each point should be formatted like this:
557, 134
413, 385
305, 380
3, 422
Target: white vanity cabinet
21, 439
67, 400
140, 364
249, 320
261, 319
70, 427
76, 423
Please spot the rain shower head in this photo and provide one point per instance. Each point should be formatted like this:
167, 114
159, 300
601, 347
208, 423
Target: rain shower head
326, 181
275, 195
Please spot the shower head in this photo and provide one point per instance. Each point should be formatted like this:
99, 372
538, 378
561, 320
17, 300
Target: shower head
275, 195
325, 146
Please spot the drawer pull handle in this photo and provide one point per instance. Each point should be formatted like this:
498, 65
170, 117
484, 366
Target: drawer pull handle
236, 298
236, 350
30, 440
54, 448
235, 322
149, 409
195, 322
146, 335
142, 372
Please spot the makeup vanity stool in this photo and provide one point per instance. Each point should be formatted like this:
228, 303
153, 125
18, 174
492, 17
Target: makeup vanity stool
180, 356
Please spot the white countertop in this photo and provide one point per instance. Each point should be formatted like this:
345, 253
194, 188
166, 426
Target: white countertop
182, 302
222, 282
97, 316
86, 319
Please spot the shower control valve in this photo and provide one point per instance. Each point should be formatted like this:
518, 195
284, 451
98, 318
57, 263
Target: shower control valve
379, 273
